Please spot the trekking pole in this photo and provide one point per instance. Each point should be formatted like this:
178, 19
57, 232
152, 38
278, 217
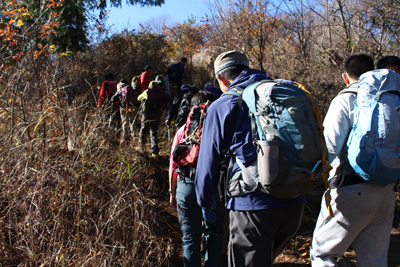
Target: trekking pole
111, 118
113, 113
169, 141
139, 111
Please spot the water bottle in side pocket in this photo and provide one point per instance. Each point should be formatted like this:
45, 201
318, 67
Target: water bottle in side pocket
268, 159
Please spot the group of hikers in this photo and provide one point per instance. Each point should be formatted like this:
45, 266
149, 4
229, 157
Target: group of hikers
124, 102
255, 146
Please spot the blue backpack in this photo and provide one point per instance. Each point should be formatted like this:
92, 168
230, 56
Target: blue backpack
287, 130
373, 147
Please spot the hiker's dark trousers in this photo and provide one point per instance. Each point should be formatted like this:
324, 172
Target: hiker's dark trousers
257, 237
150, 118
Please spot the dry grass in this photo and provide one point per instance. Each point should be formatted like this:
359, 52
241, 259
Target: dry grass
76, 199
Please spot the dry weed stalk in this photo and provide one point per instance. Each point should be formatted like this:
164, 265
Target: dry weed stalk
83, 206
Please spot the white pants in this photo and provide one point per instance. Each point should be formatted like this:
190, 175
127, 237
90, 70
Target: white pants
363, 218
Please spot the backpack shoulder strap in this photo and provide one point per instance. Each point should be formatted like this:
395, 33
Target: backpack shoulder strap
237, 91
351, 89
227, 153
235, 113
195, 134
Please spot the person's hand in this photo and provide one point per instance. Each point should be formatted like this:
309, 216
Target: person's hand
168, 123
172, 200
209, 215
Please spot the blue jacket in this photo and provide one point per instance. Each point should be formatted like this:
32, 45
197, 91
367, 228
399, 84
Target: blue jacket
179, 70
216, 128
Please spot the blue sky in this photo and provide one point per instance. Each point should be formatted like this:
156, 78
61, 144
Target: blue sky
176, 10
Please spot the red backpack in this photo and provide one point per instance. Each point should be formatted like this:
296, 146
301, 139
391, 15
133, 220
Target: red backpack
110, 87
186, 153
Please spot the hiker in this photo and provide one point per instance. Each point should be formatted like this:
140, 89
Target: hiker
389, 62
183, 198
181, 105
362, 213
177, 71
154, 100
128, 109
110, 111
144, 79
260, 225
107, 90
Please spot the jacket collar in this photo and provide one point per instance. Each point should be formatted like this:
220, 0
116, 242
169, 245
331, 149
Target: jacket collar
248, 77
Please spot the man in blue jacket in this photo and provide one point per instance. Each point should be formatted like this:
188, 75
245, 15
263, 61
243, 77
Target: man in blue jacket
260, 225
177, 71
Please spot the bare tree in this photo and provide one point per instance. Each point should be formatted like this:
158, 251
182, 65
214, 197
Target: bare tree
156, 25
244, 25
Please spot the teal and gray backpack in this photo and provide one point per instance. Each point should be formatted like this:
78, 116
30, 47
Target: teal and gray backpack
287, 131
373, 147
